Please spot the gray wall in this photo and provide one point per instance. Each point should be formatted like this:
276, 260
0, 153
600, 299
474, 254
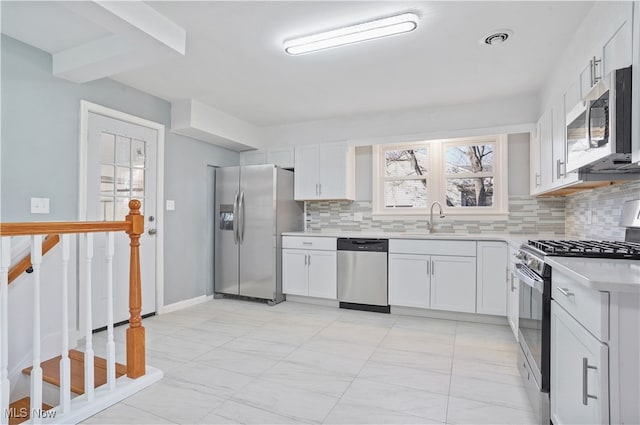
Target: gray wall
40, 157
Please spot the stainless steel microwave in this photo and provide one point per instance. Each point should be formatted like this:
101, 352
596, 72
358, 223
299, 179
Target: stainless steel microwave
599, 127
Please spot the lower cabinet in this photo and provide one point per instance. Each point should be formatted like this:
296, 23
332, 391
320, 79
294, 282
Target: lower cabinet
440, 282
492, 278
513, 295
309, 273
579, 372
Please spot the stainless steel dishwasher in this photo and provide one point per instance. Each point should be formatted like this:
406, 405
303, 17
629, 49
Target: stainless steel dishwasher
362, 274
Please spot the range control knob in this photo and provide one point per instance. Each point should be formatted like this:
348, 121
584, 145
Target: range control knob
533, 264
520, 255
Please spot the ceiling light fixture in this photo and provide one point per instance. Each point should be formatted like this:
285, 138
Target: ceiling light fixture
379, 28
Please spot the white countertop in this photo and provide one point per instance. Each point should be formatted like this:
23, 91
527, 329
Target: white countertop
598, 273
512, 239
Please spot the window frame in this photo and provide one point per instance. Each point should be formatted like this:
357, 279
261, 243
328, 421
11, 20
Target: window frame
436, 178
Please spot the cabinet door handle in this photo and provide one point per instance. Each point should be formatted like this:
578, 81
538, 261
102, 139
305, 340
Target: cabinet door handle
596, 64
428, 267
433, 267
591, 72
513, 287
309, 263
305, 259
585, 384
537, 179
320, 189
566, 292
316, 189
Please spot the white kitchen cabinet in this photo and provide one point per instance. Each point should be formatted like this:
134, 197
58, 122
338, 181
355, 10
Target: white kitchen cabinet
513, 294
282, 157
310, 272
453, 283
546, 149
322, 267
492, 276
324, 172
409, 280
534, 161
579, 372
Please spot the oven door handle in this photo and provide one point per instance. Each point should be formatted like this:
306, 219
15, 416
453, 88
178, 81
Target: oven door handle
535, 284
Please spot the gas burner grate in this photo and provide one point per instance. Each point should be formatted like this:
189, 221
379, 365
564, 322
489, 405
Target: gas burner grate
588, 248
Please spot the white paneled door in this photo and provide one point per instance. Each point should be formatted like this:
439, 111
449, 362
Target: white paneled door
121, 165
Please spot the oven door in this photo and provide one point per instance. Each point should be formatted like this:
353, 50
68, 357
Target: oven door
531, 319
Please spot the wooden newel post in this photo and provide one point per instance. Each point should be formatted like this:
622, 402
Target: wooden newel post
135, 332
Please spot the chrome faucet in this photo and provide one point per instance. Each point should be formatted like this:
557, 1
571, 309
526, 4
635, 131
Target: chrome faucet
430, 223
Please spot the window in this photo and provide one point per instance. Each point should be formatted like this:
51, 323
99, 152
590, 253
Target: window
464, 175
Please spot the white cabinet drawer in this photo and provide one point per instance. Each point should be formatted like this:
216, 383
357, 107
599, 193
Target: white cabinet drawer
433, 247
310, 242
589, 307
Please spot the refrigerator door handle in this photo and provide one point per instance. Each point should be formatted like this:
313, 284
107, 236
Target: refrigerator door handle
235, 218
241, 212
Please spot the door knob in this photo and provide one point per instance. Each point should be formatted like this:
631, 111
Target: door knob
151, 218
153, 231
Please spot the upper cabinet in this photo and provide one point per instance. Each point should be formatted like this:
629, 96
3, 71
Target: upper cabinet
282, 157
610, 51
324, 172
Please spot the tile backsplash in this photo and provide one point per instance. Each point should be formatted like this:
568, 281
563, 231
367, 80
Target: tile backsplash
528, 215
594, 214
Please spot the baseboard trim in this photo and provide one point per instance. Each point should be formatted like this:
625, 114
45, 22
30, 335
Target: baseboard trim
450, 315
184, 304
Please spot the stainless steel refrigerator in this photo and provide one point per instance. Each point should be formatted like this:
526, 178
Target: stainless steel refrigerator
254, 205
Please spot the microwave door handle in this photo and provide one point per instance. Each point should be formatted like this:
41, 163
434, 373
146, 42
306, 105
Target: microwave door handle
588, 111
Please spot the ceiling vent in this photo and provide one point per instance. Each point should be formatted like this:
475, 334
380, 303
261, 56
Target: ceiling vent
497, 37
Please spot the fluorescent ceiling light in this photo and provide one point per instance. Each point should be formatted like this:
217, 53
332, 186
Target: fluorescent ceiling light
353, 34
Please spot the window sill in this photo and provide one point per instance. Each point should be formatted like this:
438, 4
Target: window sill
478, 216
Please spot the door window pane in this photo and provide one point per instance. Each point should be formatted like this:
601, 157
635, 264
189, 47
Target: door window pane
137, 182
107, 148
469, 159
405, 163
123, 181
138, 153
123, 150
106, 180
405, 194
106, 208
471, 192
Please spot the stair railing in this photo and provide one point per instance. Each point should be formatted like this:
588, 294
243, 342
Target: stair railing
135, 335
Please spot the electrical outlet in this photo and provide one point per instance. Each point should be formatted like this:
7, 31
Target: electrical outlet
357, 216
171, 205
39, 205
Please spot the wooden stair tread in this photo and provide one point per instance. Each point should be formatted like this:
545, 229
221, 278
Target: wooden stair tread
51, 371
20, 410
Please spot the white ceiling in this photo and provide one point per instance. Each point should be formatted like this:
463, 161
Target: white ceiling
235, 61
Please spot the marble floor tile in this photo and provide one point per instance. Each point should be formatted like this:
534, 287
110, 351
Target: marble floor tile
258, 347
234, 361
286, 401
234, 412
463, 411
396, 398
348, 413
214, 380
489, 392
506, 374
328, 361
308, 378
413, 359
419, 379
123, 413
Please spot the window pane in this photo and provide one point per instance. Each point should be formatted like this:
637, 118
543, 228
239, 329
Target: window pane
137, 183
469, 159
123, 150
106, 180
138, 153
404, 163
106, 209
107, 147
405, 194
474, 192
123, 181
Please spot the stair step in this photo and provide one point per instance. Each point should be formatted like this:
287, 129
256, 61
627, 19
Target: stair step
20, 410
51, 371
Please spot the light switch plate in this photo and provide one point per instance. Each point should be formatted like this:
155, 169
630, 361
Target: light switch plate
39, 205
171, 205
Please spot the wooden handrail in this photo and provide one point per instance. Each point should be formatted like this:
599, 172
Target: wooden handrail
60, 227
23, 265
134, 227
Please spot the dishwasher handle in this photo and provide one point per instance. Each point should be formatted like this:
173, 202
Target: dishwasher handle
359, 244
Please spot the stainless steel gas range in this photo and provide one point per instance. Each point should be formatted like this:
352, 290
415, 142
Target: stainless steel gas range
534, 330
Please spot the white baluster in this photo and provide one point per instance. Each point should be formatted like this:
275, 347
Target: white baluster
88, 351
65, 364
111, 346
5, 263
36, 371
